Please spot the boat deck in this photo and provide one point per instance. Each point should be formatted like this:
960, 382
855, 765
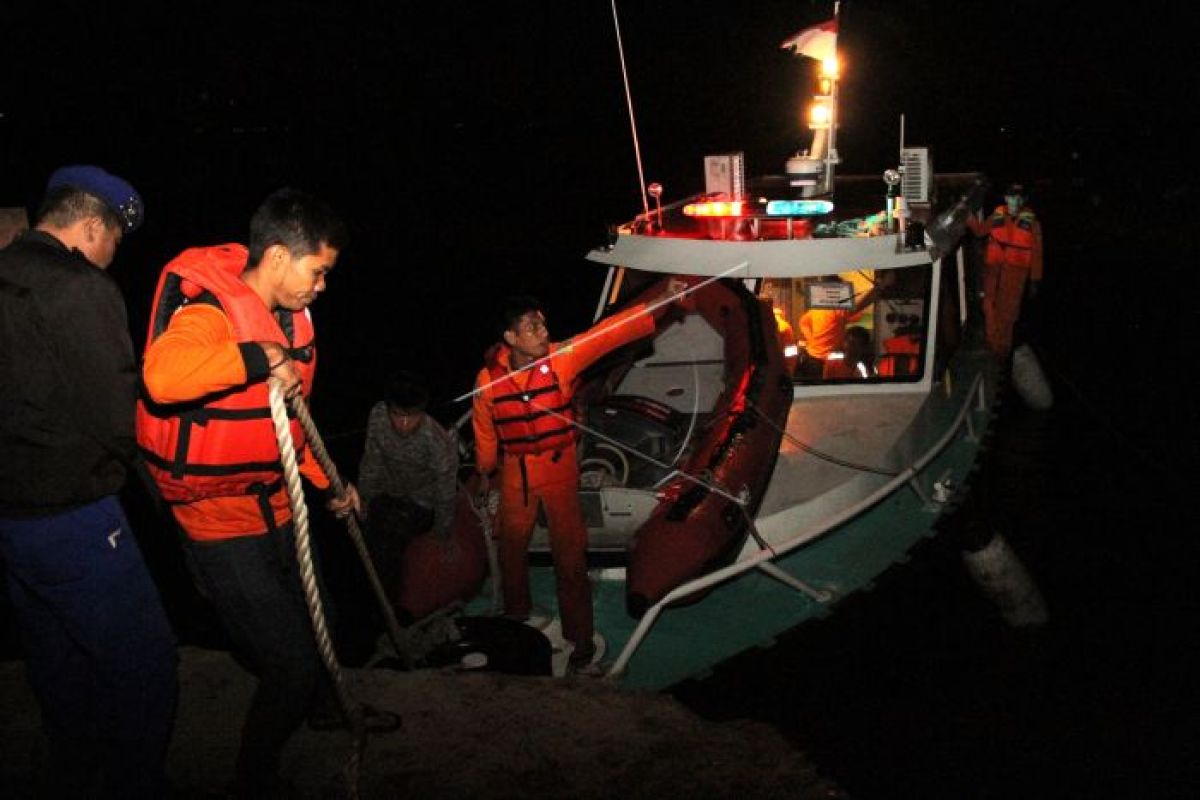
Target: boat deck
830, 440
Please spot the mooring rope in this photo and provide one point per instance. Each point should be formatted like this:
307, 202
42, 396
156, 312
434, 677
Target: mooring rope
315, 444
483, 511
593, 333
891, 473
312, 594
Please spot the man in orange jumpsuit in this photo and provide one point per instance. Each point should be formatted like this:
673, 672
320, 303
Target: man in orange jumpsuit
523, 422
1014, 254
225, 320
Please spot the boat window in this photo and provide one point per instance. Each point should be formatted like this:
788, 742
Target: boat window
858, 325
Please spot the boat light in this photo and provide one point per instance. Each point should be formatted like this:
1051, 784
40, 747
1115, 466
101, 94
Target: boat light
819, 115
714, 208
799, 208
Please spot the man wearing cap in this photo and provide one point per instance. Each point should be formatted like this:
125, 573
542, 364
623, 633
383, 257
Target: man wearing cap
99, 650
1014, 255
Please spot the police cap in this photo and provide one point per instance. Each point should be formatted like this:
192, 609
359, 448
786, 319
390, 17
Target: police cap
116, 192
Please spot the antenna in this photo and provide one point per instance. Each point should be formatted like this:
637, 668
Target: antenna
637, 150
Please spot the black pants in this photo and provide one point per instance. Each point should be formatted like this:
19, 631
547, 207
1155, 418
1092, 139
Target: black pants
809, 368
254, 585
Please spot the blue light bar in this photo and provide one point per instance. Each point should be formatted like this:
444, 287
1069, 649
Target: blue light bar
798, 208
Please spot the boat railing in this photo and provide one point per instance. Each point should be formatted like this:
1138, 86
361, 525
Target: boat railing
763, 560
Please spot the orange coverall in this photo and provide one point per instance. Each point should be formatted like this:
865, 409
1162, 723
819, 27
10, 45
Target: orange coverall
1005, 269
823, 330
550, 479
196, 356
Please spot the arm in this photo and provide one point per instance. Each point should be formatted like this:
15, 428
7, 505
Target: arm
979, 227
1035, 263
370, 467
197, 356
98, 359
486, 441
634, 323
444, 467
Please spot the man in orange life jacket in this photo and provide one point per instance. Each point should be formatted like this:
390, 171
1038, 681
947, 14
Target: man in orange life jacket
1014, 254
523, 420
225, 319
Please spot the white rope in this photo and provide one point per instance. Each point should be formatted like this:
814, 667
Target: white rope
650, 309
312, 594
317, 446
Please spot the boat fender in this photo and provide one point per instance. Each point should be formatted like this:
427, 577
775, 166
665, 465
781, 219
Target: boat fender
1003, 579
1029, 379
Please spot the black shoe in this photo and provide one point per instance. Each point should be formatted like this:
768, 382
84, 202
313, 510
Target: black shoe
264, 787
582, 655
375, 720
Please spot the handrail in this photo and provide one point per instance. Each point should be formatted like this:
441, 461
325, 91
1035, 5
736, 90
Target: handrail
804, 537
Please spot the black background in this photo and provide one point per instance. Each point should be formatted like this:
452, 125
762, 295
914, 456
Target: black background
480, 149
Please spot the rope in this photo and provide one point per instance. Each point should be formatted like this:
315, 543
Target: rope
825, 456
339, 489
485, 524
312, 595
593, 333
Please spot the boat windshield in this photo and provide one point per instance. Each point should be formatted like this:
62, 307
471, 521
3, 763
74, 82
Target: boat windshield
858, 325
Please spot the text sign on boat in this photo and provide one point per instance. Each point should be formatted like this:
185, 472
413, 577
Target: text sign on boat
830, 294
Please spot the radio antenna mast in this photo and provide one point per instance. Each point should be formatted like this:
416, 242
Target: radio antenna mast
637, 150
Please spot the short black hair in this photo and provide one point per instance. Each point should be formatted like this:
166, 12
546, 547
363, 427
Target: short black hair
406, 390
64, 205
298, 221
857, 334
513, 308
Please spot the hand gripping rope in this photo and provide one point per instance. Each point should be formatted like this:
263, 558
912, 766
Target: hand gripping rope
287, 453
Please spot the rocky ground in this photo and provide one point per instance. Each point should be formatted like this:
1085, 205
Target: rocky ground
466, 735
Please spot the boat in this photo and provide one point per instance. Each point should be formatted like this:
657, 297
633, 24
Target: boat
736, 481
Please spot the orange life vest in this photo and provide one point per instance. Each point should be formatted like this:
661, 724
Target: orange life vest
900, 357
1011, 244
536, 419
223, 444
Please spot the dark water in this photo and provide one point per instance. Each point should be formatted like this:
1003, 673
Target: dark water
918, 689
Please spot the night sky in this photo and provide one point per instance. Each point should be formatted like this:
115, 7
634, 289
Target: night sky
481, 148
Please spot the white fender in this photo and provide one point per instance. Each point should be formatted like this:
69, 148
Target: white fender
1029, 380
1002, 577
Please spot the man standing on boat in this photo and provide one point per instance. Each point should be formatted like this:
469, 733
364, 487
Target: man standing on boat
98, 646
1014, 254
823, 330
524, 426
225, 320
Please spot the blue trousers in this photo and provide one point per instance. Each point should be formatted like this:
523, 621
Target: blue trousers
99, 651
253, 584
